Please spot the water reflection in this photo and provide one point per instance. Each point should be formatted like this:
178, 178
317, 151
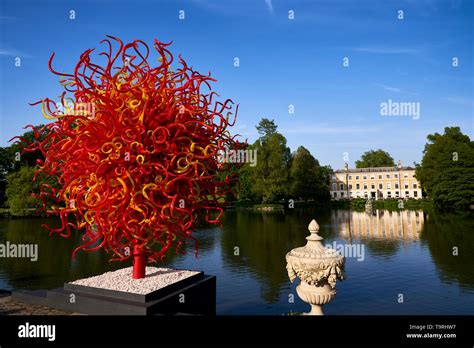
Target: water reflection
450, 238
55, 264
399, 225
381, 230
257, 244
408, 251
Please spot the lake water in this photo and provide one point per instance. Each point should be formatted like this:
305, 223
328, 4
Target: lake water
408, 253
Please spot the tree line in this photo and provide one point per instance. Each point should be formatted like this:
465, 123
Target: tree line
446, 172
279, 174
17, 171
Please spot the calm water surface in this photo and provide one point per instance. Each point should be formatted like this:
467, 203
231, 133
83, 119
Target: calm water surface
408, 253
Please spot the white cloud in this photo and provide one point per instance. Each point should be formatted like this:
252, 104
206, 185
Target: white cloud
305, 129
389, 88
6, 53
461, 100
13, 53
269, 5
386, 50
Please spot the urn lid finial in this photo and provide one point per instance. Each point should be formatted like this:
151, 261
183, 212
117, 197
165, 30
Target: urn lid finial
313, 226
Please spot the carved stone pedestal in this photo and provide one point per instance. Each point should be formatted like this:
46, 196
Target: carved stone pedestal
316, 296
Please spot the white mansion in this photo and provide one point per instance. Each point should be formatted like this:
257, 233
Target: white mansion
375, 183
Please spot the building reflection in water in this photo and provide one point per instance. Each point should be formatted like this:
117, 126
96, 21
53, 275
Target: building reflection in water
403, 225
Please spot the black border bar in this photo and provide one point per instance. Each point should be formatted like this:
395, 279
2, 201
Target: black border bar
241, 330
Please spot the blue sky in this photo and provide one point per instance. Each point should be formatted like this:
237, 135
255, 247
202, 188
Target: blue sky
282, 62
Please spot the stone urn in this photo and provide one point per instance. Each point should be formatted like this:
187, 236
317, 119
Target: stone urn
318, 269
368, 206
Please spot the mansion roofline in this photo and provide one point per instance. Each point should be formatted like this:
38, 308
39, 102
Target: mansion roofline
373, 169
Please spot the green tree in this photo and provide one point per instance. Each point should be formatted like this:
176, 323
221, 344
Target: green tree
19, 190
19, 159
5, 166
11, 160
446, 172
271, 174
266, 128
245, 177
308, 179
378, 158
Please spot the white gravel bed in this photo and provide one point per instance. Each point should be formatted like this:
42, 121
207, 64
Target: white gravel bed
121, 280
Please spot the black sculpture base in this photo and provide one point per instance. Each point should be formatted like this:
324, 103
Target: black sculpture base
195, 296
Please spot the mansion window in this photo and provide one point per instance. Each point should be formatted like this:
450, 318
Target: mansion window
365, 186
335, 195
350, 186
395, 176
380, 177
357, 177
388, 186
388, 176
365, 177
366, 195
341, 187
396, 194
372, 186
415, 185
389, 194
405, 176
415, 194
407, 194
334, 187
396, 185
406, 185
372, 177
357, 186
380, 186
350, 177
342, 194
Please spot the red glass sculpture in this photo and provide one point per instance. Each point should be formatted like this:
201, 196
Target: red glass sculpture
135, 152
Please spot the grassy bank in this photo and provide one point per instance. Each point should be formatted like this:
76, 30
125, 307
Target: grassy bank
276, 206
6, 212
269, 207
358, 204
